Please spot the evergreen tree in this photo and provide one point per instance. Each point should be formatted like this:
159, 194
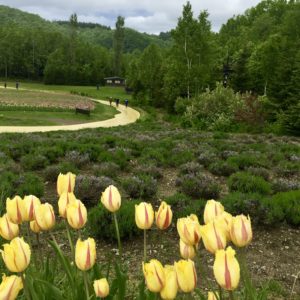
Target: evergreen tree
119, 36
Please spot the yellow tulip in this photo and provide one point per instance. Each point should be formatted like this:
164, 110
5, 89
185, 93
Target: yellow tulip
85, 254
170, 288
16, 255
214, 236
101, 288
76, 214
64, 200
212, 210
35, 227
227, 269
186, 275
111, 198
186, 251
15, 209
144, 215
65, 183
213, 296
154, 275
44, 216
10, 287
163, 216
31, 202
227, 218
8, 230
241, 231
189, 230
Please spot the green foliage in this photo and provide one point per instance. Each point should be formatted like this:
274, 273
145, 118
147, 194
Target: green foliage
245, 182
246, 160
101, 224
34, 162
223, 168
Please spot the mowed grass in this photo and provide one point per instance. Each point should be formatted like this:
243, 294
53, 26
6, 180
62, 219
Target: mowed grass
39, 108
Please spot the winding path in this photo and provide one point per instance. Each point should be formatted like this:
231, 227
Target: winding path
126, 116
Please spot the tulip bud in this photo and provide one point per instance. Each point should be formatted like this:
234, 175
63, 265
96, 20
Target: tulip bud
189, 230
213, 236
186, 275
227, 217
111, 198
241, 231
44, 216
8, 230
31, 202
64, 200
227, 269
163, 216
15, 209
154, 275
35, 227
213, 296
10, 287
85, 254
65, 183
144, 215
16, 255
76, 214
186, 251
101, 288
170, 288
212, 210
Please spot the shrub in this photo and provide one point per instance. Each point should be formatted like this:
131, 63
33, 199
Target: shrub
247, 183
101, 225
110, 169
285, 185
262, 172
149, 170
117, 156
52, 153
198, 186
33, 162
223, 168
78, 159
178, 157
190, 168
89, 188
141, 186
246, 160
288, 168
154, 156
51, 173
206, 158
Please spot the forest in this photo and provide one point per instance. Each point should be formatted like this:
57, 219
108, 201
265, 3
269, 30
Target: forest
246, 77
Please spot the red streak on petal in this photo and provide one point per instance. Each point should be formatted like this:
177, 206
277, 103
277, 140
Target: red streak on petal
244, 232
219, 242
186, 232
99, 293
167, 220
216, 209
146, 216
110, 198
81, 221
10, 291
88, 258
10, 233
31, 209
196, 237
227, 275
70, 184
25, 257
19, 216
159, 279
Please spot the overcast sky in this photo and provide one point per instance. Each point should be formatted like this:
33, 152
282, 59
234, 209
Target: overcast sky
152, 16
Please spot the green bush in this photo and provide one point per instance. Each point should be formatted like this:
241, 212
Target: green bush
223, 168
110, 169
53, 154
31, 162
245, 182
118, 156
246, 160
101, 224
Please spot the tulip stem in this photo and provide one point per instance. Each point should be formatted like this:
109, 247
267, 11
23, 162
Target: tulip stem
86, 285
118, 234
231, 297
145, 245
27, 295
70, 240
30, 243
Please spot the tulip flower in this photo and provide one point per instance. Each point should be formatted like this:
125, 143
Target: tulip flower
111, 198
35, 227
186, 275
8, 230
227, 269
227, 217
101, 288
85, 254
213, 236
170, 288
212, 210
10, 287
213, 296
31, 202
241, 231
44, 216
76, 214
189, 230
186, 251
16, 255
64, 200
154, 275
15, 209
163, 216
144, 215
65, 183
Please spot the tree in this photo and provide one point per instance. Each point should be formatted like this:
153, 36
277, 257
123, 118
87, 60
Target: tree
119, 36
73, 37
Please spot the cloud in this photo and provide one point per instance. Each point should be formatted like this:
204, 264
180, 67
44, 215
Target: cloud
152, 16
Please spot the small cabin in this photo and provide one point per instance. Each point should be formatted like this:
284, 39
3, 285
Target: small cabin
115, 81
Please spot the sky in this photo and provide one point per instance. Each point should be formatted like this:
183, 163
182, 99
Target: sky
151, 16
